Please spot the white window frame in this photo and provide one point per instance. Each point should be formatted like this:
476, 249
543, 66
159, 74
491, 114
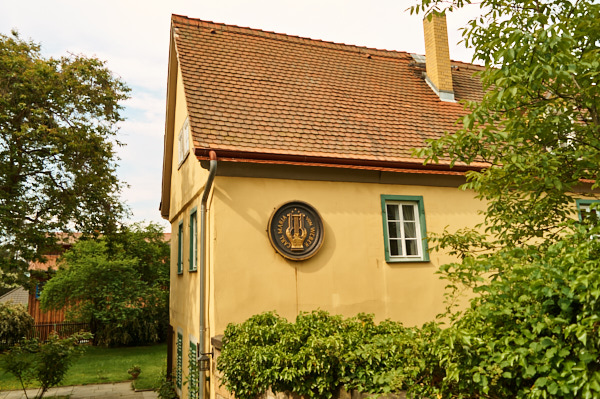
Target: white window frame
183, 141
420, 228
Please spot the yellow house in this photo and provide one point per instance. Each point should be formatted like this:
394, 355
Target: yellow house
290, 182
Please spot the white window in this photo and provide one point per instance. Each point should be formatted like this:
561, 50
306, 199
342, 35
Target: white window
184, 141
404, 228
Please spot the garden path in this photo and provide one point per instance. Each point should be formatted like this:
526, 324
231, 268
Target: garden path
119, 390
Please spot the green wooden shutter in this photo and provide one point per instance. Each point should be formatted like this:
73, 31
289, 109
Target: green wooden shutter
193, 241
179, 370
180, 248
193, 371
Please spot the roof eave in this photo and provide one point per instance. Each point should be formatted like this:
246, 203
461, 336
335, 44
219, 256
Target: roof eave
165, 203
401, 166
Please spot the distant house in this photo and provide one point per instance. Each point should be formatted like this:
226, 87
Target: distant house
290, 182
17, 296
65, 242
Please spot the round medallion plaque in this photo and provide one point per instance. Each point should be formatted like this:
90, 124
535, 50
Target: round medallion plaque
296, 230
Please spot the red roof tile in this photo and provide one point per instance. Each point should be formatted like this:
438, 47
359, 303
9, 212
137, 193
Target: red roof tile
255, 92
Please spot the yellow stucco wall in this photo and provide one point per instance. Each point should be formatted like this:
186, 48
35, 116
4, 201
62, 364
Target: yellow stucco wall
349, 274
187, 183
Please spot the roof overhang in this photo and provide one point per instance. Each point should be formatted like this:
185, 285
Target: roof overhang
165, 202
411, 165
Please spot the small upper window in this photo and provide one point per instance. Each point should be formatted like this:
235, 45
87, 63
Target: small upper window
184, 141
404, 228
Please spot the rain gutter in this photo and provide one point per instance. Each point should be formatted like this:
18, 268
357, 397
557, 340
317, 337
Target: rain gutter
209, 181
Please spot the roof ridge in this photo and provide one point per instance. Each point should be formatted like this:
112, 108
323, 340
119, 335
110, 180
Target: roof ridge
286, 37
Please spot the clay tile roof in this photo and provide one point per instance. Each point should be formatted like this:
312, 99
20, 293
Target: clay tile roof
250, 91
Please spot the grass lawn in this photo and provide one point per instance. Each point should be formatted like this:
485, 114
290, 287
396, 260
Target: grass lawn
101, 365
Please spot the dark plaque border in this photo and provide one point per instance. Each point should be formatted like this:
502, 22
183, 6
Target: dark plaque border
304, 238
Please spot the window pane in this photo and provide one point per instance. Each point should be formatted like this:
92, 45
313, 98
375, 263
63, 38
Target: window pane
392, 212
408, 212
395, 248
411, 247
394, 230
410, 230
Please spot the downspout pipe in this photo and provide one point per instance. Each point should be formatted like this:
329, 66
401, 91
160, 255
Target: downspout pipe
212, 171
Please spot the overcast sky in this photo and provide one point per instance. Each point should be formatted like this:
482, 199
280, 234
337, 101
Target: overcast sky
133, 37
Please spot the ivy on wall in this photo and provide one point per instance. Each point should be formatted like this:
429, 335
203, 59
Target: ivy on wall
193, 372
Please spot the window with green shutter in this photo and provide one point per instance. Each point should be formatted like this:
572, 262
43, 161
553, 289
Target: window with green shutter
193, 240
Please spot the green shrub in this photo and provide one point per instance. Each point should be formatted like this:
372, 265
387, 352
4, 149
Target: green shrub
15, 323
320, 353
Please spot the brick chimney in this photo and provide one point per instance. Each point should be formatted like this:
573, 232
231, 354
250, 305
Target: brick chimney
437, 56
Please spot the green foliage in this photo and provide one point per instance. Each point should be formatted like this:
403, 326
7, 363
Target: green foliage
532, 332
532, 329
117, 284
320, 353
15, 323
538, 126
46, 362
58, 122
165, 387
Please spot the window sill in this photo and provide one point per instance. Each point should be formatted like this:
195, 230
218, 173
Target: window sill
408, 260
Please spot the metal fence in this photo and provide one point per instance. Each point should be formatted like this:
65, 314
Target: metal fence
41, 331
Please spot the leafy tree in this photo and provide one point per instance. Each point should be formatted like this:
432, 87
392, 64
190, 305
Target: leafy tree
538, 126
15, 323
533, 265
117, 283
532, 330
45, 362
58, 125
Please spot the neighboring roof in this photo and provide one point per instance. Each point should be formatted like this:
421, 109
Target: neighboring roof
49, 264
66, 240
258, 95
17, 296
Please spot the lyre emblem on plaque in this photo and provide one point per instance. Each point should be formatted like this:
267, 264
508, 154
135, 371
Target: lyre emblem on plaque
295, 232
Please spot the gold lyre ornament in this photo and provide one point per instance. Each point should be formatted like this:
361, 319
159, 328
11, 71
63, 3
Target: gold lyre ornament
295, 232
